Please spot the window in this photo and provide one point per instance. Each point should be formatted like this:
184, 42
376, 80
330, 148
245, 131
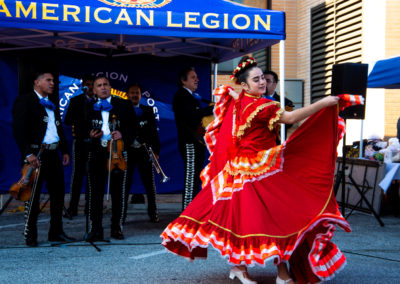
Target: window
336, 37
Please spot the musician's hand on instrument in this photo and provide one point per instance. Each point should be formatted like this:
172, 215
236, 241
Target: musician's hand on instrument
116, 135
66, 160
33, 161
96, 134
233, 94
157, 157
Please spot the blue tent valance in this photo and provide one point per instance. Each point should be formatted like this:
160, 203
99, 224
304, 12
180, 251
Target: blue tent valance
217, 30
384, 73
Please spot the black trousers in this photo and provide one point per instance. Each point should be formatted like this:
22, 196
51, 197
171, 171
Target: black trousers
51, 172
192, 153
140, 158
96, 186
78, 172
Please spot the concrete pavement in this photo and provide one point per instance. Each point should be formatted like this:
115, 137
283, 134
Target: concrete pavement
373, 254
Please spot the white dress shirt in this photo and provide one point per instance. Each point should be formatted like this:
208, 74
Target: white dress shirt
105, 115
51, 135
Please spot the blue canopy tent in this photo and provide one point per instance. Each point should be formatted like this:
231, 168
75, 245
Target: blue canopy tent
221, 29
209, 30
384, 73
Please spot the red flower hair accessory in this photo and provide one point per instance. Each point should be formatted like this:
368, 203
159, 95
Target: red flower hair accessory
250, 62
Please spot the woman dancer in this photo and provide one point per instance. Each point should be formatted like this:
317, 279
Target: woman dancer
260, 201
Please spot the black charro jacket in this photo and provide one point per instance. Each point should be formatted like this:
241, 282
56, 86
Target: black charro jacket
147, 129
75, 116
188, 111
29, 124
125, 116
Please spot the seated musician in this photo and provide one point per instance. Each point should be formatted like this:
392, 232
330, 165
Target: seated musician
272, 81
188, 115
37, 120
138, 156
99, 123
75, 113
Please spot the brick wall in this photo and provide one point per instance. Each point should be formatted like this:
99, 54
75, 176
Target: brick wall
226, 80
303, 44
290, 7
392, 97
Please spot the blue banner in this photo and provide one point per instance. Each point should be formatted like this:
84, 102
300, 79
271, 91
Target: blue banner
157, 78
10, 158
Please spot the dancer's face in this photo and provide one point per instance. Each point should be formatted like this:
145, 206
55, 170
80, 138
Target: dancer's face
256, 84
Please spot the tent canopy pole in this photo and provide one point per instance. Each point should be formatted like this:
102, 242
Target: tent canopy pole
215, 79
361, 140
282, 83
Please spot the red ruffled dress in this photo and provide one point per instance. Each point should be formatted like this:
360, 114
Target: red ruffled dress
263, 202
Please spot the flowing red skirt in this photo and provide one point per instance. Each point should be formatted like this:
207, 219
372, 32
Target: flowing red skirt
287, 214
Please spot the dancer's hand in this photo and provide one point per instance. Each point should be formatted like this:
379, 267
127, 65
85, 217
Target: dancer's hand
233, 94
330, 101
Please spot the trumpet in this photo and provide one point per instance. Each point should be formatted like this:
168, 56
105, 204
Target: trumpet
155, 163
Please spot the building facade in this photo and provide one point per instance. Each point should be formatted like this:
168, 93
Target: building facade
320, 33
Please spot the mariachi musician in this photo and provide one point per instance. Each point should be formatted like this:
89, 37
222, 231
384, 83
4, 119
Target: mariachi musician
100, 125
272, 81
75, 114
138, 156
36, 120
188, 116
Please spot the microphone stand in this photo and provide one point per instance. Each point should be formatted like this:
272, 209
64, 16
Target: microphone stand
87, 142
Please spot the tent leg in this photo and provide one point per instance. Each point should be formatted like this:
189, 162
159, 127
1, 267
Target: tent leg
215, 74
361, 140
215, 78
282, 82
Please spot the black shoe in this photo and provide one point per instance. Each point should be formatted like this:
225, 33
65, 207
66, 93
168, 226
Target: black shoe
71, 212
154, 218
117, 234
31, 242
94, 237
61, 237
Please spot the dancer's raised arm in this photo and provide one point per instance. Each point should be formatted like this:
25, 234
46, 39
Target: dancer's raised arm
302, 113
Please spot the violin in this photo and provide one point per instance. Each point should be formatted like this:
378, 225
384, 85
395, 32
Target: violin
116, 160
22, 190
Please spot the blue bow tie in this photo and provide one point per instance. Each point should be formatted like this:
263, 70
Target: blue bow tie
268, 97
197, 97
102, 105
47, 103
138, 111
92, 99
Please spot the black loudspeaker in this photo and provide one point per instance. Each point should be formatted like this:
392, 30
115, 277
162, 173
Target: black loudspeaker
350, 78
26, 67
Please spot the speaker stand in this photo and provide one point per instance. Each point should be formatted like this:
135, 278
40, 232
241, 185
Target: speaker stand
342, 178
